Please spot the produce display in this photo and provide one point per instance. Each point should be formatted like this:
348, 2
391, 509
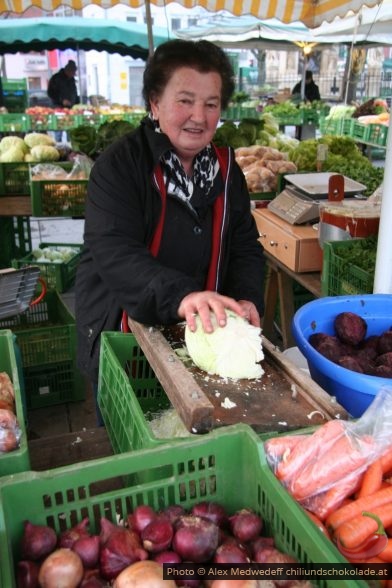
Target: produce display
10, 432
132, 552
88, 140
233, 351
341, 474
343, 157
262, 165
33, 147
350, 348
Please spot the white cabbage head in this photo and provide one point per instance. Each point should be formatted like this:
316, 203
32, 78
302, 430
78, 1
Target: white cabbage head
233, 351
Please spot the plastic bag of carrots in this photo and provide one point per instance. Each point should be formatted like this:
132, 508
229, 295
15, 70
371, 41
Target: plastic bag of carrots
338, 460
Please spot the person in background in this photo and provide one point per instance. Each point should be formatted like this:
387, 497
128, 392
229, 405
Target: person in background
169, 232
62, 86
311, 88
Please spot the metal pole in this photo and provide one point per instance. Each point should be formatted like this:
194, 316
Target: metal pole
149, 29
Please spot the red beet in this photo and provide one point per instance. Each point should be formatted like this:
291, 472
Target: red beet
331, 348
350, 327
385, 359
350, 363
385, 342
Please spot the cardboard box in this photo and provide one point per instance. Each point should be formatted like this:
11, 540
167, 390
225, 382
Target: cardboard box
296, 246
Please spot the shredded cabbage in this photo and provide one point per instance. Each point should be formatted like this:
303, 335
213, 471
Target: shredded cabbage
233, 351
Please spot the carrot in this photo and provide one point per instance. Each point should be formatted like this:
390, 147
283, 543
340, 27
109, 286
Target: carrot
319, 524
309, 449
386, 554
277, 447
347, 512
341, 459
358, 529
386, 461
372, 479
324, 503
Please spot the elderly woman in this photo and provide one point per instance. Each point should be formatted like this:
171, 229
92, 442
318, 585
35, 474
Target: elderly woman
168, 230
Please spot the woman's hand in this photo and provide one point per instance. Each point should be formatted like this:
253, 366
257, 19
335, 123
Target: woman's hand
203, 303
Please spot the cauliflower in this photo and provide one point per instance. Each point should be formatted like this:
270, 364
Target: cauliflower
34, 139
45, 153
13, 154
10, 141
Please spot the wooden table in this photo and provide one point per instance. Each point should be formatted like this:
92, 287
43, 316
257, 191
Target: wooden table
279, 287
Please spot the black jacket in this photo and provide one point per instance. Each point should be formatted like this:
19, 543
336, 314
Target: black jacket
62, 87
312, 91
118, 272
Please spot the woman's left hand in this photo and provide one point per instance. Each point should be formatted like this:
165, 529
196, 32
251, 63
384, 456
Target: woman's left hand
250, 312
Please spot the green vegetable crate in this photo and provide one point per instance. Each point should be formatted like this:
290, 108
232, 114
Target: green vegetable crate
46, 335
129, 393
19, 459
14, 123
58, 197
228, 466
359, 131
339, 275
378, 134
15, 177
15, 238
57, 275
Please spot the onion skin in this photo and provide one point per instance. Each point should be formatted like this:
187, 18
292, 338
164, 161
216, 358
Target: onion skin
61, 569
174, 512
27, 574
38, 541
211, 511
195, 539
157, 535
167, 557
142, 516
231, 552
122, 549
87, 549
142, 575
246, 525
67, 538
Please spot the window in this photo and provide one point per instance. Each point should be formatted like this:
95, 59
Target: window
131, 19
175, 24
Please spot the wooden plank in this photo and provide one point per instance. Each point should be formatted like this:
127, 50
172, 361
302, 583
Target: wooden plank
284, 398
186, 396
15, 206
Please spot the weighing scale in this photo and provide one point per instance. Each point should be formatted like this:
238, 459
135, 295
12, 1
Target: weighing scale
299, 202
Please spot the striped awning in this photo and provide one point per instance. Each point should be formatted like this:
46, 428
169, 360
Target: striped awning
310, 12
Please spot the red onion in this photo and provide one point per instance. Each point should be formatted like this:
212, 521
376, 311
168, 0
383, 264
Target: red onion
157, 535
141, 517
231, 552
246, 525
67, 538
120, 550
107, 528
195, 539
27, 574
212, 511
87, 549
167, 557
260, 544
92, 579
37, 541
61, 569
173, 512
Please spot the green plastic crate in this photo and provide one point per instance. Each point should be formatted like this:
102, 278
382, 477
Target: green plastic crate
330, 126
46, 335
347, 124
14, 123
15, 177
40, 122
63, 121
15, 238
228, 466
378, 135
129, 393
359, 131
339, 278
19, 459
58, 197
57, 276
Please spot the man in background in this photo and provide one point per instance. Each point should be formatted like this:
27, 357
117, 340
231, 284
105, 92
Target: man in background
312, 91
62, 86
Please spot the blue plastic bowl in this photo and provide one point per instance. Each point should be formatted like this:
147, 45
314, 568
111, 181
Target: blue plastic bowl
354, 391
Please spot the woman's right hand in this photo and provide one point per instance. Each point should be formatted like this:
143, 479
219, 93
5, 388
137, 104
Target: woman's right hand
202, 304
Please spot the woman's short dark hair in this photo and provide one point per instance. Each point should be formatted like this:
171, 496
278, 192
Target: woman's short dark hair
201, 55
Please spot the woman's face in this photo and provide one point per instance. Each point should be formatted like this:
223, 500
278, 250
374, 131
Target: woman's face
188, 110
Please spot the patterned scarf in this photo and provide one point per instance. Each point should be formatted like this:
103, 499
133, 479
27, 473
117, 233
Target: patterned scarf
198, 191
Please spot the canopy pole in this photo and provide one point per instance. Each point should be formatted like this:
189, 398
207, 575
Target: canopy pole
149, 29
383, 271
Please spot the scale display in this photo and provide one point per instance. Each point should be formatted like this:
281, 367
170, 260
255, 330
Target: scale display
294, 207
